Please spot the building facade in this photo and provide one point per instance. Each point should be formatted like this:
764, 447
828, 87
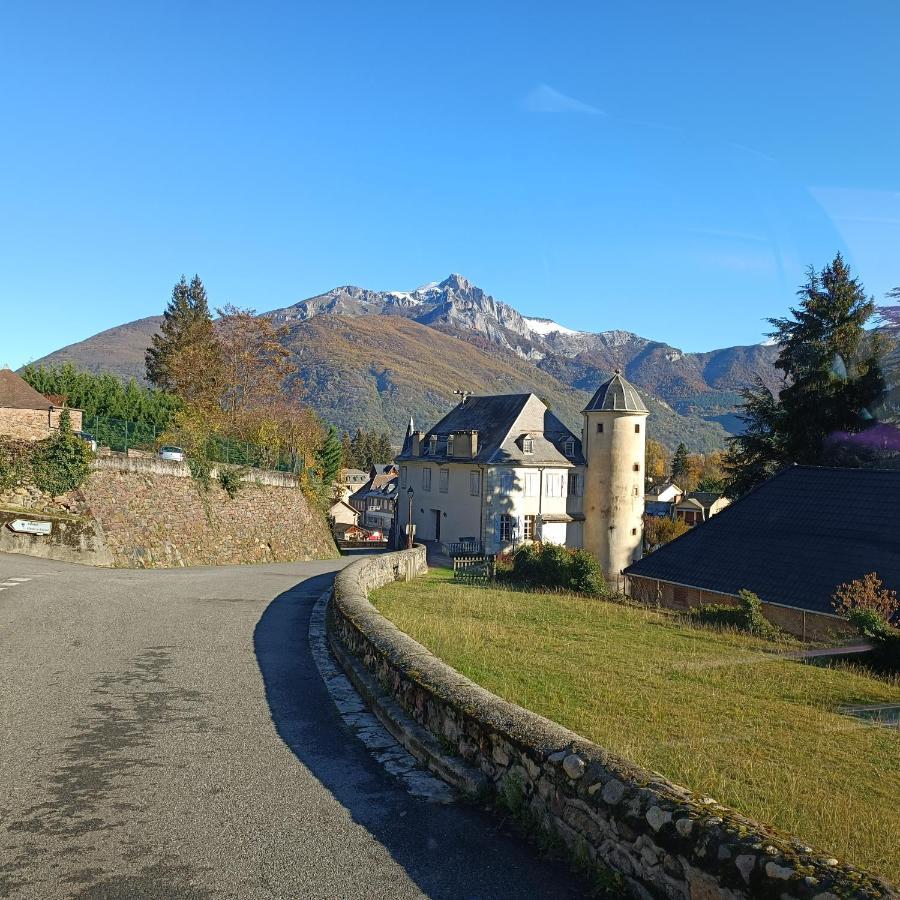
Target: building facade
498, 471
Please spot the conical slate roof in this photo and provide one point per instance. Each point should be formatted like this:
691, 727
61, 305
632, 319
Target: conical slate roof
616, 395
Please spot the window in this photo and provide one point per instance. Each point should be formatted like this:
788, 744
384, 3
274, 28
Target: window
507, 481
528, 529
450, 445
637, 429
531, 484
474, 483
634, 531
637, 467
574, 485
432, 445
555, 485
528, 445
444, 480
506, 527
569, 448
636, 491
403, 476
599, 428
426, 479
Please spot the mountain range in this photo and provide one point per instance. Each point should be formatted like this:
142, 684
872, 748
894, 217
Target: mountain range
372, 359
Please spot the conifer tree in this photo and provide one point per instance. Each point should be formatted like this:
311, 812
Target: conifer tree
832, 376
187, 323
347, 452
680, 464
329, 456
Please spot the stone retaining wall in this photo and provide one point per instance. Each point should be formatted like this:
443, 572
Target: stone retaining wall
153, 465
660, 839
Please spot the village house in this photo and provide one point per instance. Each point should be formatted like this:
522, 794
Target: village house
698, 506
376, 500
27, 414
660, 499
349, 481
500, 470
791, 541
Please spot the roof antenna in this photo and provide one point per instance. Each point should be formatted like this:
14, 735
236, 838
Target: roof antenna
464, 395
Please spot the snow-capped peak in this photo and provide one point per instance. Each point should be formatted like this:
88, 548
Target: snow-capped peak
425, 288
547, 326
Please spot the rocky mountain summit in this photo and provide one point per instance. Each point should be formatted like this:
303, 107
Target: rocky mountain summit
371, 358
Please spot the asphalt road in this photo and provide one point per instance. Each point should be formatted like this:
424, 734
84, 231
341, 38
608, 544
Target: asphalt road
166, 734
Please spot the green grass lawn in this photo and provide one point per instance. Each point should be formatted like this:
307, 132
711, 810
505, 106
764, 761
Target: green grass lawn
716, 712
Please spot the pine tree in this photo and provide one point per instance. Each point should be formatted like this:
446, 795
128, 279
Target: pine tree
832, 374
187, 323
680, 464
329, 457
348, 461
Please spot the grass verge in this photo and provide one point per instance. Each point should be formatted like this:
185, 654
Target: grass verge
717, 712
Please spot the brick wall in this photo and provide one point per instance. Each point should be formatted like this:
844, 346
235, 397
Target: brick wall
806, 625
34, 424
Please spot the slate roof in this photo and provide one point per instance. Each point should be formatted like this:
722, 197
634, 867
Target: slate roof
616, 395
793, 539
16, 393
502, 422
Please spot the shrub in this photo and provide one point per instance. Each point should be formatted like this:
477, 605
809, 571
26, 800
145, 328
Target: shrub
747, 615
556, 567
201, 471
15, 463
62, 462
586, 577
231, 480
866, 593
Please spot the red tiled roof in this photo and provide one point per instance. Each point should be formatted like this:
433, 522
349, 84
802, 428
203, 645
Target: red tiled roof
16, 393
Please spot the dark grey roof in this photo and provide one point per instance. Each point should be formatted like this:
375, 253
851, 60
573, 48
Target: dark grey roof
793, 539
502, 422
616, 395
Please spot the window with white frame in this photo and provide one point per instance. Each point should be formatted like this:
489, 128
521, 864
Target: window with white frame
555, 485
474, 483
444, 480
507, 482
528, 528
531, 484
426, 479
432, 445
528, 445
450, 445
569, 448
506, 527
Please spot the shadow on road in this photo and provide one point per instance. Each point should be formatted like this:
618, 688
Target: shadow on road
448, 851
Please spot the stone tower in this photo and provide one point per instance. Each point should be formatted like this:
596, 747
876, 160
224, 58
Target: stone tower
614, 442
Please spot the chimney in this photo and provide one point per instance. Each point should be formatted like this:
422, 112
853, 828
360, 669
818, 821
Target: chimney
416, 443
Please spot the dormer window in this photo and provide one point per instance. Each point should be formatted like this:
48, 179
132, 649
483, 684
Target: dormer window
432, 445
527, 445
569, 448
450, 445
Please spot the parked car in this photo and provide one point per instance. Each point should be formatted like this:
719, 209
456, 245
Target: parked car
174, 454
88, 439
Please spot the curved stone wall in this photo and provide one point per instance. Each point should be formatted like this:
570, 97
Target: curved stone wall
660, 839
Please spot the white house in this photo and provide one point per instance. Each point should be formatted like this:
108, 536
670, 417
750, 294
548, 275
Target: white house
499, 470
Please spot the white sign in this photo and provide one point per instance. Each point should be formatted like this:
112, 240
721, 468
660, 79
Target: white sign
24, 526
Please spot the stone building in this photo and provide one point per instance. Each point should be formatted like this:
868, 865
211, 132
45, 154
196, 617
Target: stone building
497, 471
27, 414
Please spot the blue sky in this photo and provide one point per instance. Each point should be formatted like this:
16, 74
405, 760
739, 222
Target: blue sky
670, 169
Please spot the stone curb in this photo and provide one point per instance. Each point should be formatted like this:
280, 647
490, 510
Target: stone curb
420, 742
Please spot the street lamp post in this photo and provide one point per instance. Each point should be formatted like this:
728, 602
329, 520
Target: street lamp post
409, 520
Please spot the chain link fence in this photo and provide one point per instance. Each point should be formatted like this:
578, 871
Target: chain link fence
122, 435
